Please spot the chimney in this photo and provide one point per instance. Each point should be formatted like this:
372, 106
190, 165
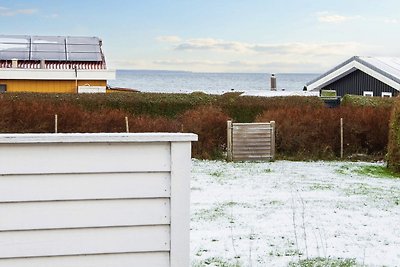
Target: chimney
273, 82
14, 63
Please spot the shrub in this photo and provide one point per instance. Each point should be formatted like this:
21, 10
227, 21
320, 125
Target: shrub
314, 133
22, 116
393, 156
247, 108
305, 128
210, 124
362, 101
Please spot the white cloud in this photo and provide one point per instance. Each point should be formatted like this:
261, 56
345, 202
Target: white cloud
328, 17
317, 49
169, 38
212, 44
177, 62
8, 12
391, 21
218, 55
283, 65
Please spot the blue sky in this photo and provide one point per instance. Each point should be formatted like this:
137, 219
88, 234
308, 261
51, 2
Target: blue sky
218, 35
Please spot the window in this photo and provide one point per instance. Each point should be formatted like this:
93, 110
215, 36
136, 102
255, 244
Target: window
368, 93
3, 88
386, 94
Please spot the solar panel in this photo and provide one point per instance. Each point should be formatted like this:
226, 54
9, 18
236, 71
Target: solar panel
52, 48
83, 40
84, 57
14, 47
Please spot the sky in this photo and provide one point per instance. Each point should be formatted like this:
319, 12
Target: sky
302, 36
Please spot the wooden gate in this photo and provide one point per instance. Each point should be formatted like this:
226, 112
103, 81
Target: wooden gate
251, 141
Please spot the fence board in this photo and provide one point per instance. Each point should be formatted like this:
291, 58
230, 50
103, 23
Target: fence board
90, 160
81, 214
84, 241
148, 259
50, 187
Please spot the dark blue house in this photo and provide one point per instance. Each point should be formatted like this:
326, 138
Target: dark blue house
368, 76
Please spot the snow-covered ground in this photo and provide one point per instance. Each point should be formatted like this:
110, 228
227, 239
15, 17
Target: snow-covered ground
269, 214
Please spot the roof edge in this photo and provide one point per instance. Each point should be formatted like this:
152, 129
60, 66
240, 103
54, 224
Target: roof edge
354, 58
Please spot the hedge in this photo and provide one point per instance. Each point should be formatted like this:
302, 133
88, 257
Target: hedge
393, 156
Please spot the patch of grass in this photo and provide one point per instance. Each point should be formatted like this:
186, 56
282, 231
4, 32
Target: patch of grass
218, 211
377, 171
325, 262
361, 189
217, 173
217, 262
321, 187
343, 170
211, 214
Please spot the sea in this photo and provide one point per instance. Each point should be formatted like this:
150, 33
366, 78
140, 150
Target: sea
210, 83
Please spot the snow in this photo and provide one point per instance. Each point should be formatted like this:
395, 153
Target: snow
272, 213
280, 93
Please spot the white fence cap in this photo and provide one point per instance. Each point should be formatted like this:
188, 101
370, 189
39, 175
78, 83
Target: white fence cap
29, 138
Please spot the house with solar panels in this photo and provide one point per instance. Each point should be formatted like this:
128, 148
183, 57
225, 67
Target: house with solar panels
53, 64
368, 76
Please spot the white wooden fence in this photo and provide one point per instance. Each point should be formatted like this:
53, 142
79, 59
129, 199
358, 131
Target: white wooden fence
94, 200
251, 141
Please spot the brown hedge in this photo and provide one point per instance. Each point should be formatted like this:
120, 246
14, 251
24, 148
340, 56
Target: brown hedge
393, 156
305, 129
314, 133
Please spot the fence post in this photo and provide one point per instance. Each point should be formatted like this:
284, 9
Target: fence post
272, 139
229, 140
127, 124
55, 123
341, 138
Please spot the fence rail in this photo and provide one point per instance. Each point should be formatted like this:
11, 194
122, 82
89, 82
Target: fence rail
251, 141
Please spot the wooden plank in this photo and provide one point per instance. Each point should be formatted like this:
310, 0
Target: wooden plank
93, 158
250, 150
252, 155
261, 133
251, 127
83, 186
148, 259
236, 131
251, 159
229, 140
81, 214
252, 145
241, 157
273, 139
246, 150
244, 138
180, 204
250, 123
249, 153
252, 135
84, 241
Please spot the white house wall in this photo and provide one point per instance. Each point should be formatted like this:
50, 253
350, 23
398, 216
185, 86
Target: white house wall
46, 74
